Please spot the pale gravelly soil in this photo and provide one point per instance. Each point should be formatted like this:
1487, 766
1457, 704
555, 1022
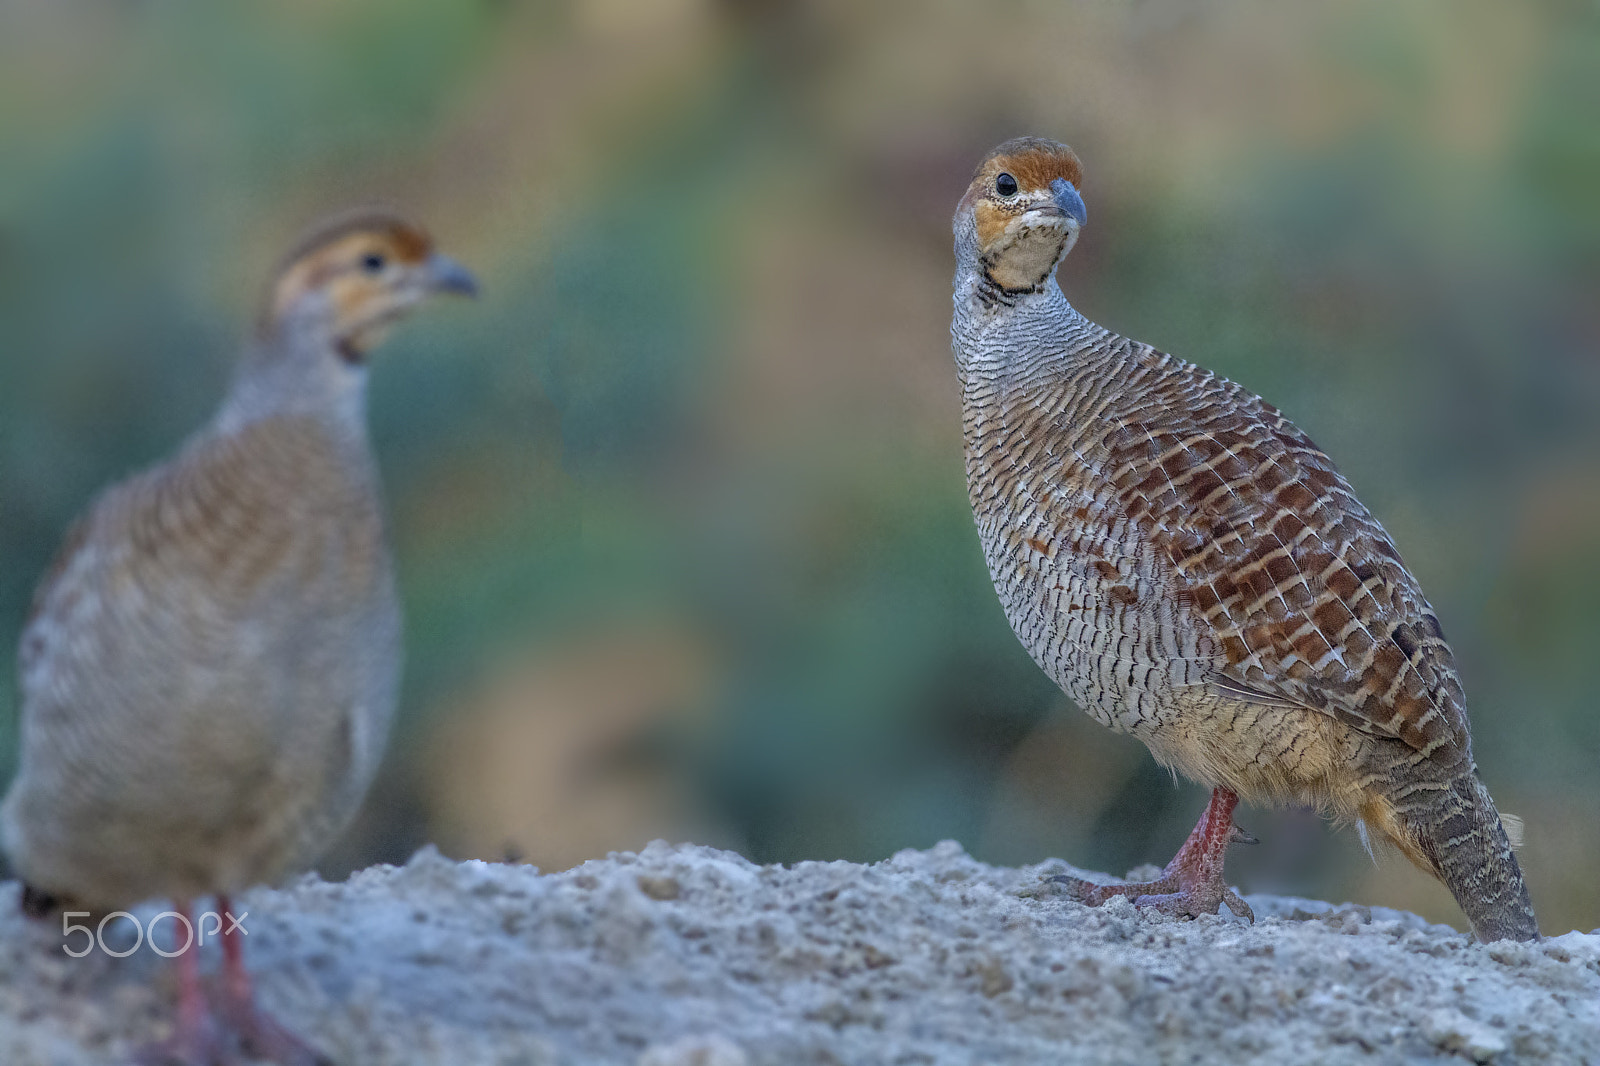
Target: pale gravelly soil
688, 956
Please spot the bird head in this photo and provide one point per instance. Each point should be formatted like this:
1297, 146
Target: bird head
352, 277
1021, 214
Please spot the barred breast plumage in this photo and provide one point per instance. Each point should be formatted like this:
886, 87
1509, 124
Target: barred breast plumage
1192, 569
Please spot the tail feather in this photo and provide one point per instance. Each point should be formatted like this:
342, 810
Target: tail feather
37, 904
1514, 829
1459, 836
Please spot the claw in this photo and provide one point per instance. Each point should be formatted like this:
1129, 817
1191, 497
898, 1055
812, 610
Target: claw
1078, 890
1239, 836
1238, 906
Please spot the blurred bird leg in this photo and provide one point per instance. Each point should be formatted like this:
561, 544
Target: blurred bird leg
196, 1038
260, 1034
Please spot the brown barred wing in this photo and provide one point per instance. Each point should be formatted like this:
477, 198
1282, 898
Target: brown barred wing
1297, 584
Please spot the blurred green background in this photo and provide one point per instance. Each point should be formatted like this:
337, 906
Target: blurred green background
679, 506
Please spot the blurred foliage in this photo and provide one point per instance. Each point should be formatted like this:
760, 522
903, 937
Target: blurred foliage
702, 435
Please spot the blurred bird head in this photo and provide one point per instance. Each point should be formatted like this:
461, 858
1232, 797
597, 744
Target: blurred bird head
354, 275
1021, 214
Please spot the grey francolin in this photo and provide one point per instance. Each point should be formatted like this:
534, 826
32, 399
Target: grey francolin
1191, 569
211, 666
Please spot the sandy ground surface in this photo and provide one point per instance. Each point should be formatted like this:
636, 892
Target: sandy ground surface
688, 956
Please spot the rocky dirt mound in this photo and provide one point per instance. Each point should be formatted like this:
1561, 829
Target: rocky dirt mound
689, 956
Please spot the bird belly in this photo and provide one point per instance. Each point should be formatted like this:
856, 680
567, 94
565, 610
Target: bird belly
198, 759
1269, 755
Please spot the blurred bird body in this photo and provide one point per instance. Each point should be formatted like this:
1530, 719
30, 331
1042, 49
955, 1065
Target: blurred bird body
210, 676
211, 667
1191, 569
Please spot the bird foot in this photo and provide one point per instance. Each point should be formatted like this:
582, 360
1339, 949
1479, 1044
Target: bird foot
199, 1044
266, 1039
1192, 883
227, 1039
1167, 894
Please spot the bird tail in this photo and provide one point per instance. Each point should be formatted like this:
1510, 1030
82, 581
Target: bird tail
1455, 833
38, 904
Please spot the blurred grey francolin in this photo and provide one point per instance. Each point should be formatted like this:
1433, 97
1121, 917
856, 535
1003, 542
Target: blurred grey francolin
212, 663
1191, 569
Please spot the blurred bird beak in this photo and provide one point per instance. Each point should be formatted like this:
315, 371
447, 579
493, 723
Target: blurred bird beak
446, 275
1068, 200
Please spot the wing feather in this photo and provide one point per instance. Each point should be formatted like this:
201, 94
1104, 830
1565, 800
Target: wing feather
1304, 591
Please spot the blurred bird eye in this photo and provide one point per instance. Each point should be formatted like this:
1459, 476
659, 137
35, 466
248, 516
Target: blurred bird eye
1005, 185
372, 262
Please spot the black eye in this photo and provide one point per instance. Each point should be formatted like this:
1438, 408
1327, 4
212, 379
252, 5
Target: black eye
372, 263
1005, 185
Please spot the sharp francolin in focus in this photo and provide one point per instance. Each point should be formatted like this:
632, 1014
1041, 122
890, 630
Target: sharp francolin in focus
1190, 568
211, 666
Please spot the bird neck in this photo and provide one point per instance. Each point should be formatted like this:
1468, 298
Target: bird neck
993, 331
297, 369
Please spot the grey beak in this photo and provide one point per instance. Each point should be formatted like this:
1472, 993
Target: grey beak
446, 275
1069, 201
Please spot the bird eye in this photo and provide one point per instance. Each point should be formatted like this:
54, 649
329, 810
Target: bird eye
372, 263
1005, 185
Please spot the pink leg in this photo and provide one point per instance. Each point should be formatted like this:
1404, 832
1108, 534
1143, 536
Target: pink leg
236, 983
1192, 883
262, 1036
196, 1039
